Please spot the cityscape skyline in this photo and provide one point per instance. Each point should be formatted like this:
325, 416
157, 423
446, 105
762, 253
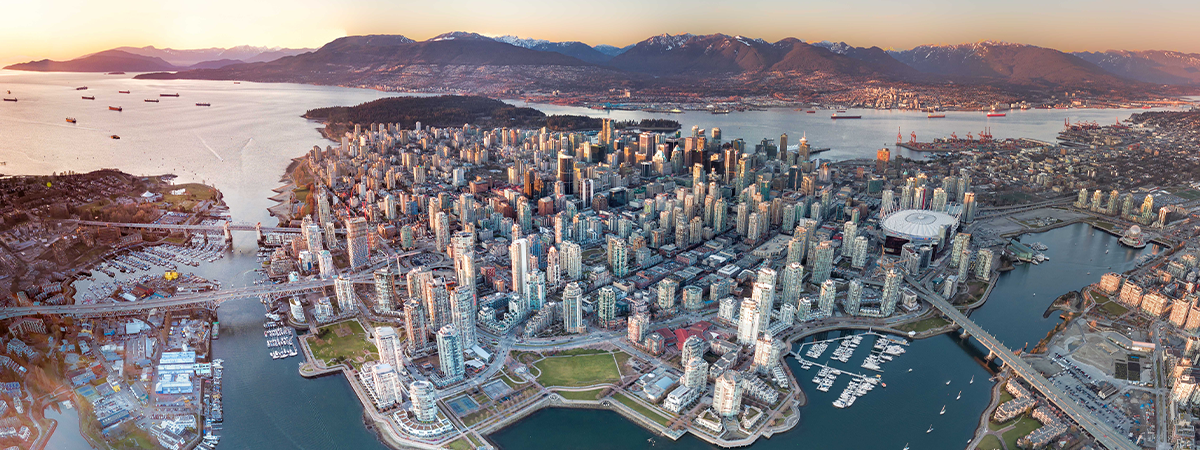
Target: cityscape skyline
41, 30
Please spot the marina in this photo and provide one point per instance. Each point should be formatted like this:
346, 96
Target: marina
214, 413
885, 349
281, 339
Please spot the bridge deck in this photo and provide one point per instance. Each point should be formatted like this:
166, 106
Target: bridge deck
1103, 433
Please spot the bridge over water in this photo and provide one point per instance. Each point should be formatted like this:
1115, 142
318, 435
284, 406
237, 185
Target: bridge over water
1104, 434
207, 300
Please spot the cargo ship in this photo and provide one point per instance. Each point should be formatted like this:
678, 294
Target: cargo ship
152, 100
9, 99
115, 137
206, 104
842, 116
168, 95
114, 108
81, 88
993, 113
89, 97
122, 92
70, 120
936, 116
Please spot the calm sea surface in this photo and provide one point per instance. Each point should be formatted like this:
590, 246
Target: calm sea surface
242, 143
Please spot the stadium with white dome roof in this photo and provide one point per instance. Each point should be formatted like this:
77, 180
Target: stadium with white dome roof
916, 226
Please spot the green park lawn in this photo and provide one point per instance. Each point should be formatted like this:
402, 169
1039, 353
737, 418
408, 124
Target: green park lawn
1114, 309
644, 411
1024, 426
989, 442
578, 370
923, 325
580, 395
343, 342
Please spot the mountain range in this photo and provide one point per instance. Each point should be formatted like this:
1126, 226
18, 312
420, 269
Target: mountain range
671, 63
149, 59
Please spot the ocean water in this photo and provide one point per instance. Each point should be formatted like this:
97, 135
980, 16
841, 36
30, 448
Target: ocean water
242, 143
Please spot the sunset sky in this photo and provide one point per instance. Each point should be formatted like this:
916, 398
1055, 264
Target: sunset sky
64, 29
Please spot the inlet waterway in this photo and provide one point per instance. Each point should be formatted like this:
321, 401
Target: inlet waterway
244, 141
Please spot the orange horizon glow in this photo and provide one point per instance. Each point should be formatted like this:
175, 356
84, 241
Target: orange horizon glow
66, 29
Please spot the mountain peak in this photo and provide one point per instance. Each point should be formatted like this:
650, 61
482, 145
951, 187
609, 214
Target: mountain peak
460, 36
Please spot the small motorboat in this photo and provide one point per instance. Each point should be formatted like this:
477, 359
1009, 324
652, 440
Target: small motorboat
89, 97
115, 137
115, 108
203, 104
122, 92
70, 120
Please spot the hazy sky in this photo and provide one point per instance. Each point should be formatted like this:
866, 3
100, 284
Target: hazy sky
63, 29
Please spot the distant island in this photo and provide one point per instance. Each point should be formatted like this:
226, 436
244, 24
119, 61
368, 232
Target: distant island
105, 61
456, 110
150, 59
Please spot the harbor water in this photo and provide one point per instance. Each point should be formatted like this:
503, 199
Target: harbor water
244, 141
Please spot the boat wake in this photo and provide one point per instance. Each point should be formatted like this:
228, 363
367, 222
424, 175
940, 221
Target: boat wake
214, 152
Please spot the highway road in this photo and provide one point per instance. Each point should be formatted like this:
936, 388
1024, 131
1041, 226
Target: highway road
1104, 434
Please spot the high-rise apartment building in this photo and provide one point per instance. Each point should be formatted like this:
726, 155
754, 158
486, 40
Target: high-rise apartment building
450, 353
357, 242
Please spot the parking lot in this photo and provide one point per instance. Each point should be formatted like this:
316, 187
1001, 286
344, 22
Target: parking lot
1080, 387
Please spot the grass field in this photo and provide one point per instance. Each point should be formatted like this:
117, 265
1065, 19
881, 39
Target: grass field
989, 442
1187, 194
460, 444
1114, 309
344, 341
580, 351
195, 192
579, 370
1024, 426
641, 409
923, 325
581, 395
